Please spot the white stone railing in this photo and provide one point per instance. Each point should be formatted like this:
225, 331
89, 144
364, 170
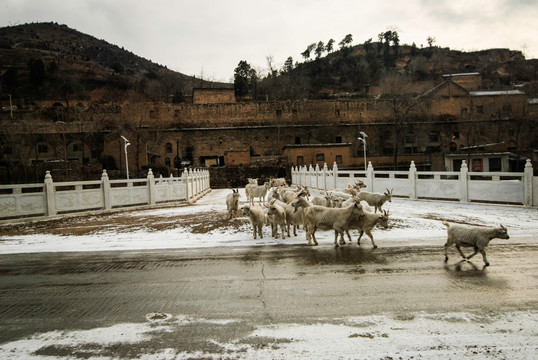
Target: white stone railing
464, 186
51, 198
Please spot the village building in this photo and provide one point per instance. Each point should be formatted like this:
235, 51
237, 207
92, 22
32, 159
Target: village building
454, 121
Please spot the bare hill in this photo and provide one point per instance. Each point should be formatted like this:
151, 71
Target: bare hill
51, 60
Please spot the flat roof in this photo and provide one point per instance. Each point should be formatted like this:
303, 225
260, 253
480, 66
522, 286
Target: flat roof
496, 92
317, 145
462, 74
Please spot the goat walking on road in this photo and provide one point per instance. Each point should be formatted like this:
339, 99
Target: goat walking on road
477, 237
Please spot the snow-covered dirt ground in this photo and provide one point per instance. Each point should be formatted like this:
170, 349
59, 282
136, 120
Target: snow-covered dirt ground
509, 335
205, 224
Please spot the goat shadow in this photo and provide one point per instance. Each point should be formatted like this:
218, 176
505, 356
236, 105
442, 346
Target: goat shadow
466, 268
466, 273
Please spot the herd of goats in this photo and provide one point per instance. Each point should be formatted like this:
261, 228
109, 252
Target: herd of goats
340, 210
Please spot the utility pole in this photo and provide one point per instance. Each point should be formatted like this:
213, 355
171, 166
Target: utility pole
10, 107
125, 144
363, 139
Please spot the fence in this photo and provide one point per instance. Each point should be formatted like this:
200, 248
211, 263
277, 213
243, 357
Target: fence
50, 198
464, 186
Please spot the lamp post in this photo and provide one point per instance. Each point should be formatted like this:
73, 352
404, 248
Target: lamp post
125, 144
363, 139
10, 107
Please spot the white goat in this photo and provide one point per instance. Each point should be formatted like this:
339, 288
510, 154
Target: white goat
256, 216
232, 203
477, 237
295, 214
250, 181
276, 182
366, 223
274, 195
324, 218
325, 199
376, 199
341, 194
256, 191
289, 195
351, 200
277, 217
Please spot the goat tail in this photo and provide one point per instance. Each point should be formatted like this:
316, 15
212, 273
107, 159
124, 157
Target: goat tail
446, 223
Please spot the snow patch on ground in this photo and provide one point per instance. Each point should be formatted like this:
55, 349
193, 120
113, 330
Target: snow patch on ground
205, 224
427, 336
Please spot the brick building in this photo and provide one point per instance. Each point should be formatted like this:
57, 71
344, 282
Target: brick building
443, 125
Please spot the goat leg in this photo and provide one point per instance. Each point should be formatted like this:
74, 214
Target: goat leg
371, 238
461, 252
473, 254
483, 252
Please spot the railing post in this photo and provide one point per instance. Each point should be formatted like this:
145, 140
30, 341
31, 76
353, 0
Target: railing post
370, 177
185, 177
197, 182
325, 169
50, 196
335, 175
413, 181
107, 199
528, 183
191, 184
151, 187
317, 177
464, 182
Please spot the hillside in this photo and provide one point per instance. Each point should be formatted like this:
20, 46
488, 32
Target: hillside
54, 61
365, 69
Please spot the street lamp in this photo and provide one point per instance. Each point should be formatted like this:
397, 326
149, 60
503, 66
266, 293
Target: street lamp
363, 139
125, 144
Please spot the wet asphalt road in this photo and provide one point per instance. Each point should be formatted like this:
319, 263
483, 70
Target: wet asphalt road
259, 285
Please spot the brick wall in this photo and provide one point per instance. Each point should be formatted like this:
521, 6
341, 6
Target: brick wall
213, 96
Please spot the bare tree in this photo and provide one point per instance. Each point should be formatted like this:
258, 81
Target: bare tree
397, 91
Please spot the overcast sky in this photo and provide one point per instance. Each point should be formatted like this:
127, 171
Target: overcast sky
209, 37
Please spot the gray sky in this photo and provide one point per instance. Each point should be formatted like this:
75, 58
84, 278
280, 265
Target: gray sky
209, 37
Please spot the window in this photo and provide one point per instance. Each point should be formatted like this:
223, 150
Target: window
480, 109
338, 140
297, 140
507, 107
176, 113
410, 149
477, 165
168, 148
167, 161
42, 149
455, 135
337, 112
433, 137
279, 113
495, 164
294, 112
152, 114
511, 132
456, 163
300, 160
338, 159
320, 157
77, 147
